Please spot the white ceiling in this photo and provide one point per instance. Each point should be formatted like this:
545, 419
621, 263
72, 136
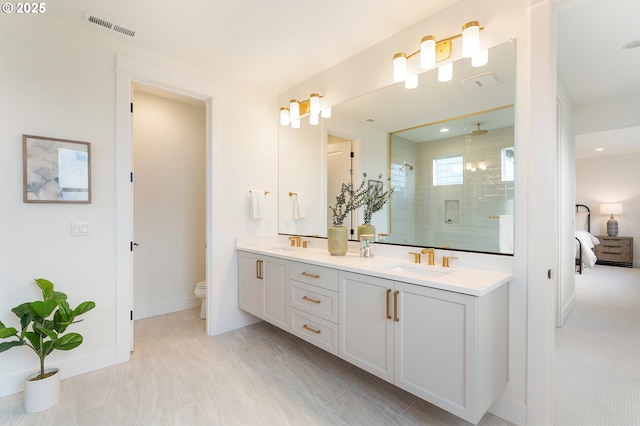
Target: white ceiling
276, 44
593, 66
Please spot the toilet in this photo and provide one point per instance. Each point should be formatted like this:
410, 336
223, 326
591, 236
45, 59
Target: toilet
201, 292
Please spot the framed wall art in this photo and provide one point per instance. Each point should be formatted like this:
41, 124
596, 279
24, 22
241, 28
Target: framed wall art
56, 170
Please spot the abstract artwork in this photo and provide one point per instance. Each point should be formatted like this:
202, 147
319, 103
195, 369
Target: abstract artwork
56, 170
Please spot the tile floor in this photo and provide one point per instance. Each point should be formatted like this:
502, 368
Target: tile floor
257, 375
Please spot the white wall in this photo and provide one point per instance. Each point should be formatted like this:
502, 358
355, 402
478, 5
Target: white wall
169, 139
611, 179
566, 156
58, 80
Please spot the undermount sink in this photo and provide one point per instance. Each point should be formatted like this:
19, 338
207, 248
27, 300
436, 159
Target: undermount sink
427, 271
282, 248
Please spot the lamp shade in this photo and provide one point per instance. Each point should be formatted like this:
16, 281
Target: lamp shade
284, 116
427, 52
399, 67
470, 39
611, 208
445, 72
314, 104
294, 110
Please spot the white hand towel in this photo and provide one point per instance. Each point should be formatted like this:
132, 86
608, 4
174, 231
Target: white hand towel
300, 205
506, 233
257, 204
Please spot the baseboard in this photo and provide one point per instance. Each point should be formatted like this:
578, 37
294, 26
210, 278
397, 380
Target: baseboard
14, 383
567, 308
165, 308
510, 409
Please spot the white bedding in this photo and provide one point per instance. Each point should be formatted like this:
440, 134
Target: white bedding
587, 241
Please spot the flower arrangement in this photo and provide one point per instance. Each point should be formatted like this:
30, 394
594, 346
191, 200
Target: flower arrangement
375, 198
372, 198
350, 199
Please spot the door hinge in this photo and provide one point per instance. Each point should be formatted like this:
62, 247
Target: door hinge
131, 177
132, 107
131, 316
353, 154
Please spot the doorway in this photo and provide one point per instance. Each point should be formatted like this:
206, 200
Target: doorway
169, 200
342, 166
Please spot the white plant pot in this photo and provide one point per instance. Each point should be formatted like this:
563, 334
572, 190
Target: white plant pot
41, 394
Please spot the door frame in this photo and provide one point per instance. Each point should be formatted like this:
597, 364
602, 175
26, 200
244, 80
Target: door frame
129, 71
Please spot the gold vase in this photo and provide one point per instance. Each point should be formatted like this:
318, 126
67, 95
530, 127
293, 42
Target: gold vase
366, 228
337, 240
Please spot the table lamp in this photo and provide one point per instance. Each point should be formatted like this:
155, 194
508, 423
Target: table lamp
612, 223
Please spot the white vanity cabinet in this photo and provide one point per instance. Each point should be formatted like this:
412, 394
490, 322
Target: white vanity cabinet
263, 288
447, 348
366, 326
313, 303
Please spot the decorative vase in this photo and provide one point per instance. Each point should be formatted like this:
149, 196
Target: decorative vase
366, 228
337, 240
41, 394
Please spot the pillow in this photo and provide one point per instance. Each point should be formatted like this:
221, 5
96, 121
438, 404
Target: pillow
582, 221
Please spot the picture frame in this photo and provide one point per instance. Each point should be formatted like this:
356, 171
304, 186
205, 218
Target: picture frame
56, 170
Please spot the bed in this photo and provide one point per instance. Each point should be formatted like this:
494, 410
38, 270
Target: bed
585, 241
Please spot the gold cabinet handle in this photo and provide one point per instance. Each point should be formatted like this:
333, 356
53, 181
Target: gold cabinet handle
306, 274
395, 306
259, 269
308, 299
387, 297
306, 327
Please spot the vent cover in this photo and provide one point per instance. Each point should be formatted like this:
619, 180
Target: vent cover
90, 17
479, 82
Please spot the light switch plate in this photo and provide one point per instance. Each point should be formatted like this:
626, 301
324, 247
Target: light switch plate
79, 229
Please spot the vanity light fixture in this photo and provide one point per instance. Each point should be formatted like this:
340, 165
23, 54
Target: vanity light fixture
433, 51
311, 108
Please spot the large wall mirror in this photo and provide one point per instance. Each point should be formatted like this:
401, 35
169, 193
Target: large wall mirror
399, 133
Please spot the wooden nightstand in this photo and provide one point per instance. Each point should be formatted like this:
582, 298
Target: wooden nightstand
617, 251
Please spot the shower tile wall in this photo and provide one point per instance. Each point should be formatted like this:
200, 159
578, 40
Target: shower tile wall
482, 195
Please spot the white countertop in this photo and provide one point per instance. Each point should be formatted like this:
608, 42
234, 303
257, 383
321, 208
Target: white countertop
471, 281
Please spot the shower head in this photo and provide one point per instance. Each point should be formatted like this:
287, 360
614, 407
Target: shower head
479, 131
406, 165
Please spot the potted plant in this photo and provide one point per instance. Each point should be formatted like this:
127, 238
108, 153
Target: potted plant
373, 200
350, 199
43, 323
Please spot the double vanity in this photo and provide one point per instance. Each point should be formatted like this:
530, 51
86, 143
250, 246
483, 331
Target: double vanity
437, 332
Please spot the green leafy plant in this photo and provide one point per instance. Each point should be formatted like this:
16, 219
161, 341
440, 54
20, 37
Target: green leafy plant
350, 199
42, 323
375, 198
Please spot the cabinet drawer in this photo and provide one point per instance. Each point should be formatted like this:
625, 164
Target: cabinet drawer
320, 276
615, 244
314, 300
317, 331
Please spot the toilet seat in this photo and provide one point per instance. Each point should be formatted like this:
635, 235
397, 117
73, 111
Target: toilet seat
201, 292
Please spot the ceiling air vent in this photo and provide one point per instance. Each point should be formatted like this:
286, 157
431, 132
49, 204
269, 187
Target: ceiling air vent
479, 82
89, 17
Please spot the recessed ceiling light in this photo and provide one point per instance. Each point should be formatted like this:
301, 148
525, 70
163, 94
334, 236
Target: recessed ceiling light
444, 130
599, 149
632, 44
